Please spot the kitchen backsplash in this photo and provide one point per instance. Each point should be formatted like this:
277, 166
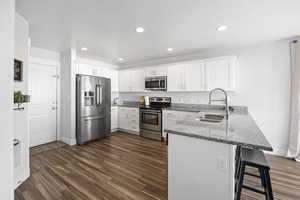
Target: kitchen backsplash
187, 98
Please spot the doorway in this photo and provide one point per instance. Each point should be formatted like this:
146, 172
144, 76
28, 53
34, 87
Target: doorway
43, 103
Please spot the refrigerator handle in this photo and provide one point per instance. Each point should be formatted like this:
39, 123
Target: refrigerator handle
101, 93
98, 95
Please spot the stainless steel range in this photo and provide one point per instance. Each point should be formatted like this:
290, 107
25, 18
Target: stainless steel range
151, 117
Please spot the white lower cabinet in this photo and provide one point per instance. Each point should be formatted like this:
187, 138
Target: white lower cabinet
129, 119
171, 116
114, 118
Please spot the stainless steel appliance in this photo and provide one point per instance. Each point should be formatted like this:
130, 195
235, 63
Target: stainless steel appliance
93, 108
158, 83
151, 117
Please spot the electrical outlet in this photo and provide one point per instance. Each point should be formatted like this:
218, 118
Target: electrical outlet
222, 164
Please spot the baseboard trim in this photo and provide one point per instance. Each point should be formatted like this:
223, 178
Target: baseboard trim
277, 152
128, 131
68, 141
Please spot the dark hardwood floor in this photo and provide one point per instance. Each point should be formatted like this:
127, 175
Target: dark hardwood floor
123, 166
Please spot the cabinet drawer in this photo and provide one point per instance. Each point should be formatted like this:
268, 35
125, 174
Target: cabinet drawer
134, 122
133, 116
178, 115
134, 128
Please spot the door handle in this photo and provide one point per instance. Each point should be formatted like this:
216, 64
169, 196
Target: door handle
99, 94
93, 118
16, 142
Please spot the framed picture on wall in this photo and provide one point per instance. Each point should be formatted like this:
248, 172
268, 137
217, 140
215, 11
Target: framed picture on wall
18, 70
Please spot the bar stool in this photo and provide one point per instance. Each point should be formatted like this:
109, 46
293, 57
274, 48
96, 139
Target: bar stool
256, 159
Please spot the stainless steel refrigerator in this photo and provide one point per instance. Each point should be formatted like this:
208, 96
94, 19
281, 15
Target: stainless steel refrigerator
93, 108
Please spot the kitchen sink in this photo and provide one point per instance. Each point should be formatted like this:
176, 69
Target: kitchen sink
211, 118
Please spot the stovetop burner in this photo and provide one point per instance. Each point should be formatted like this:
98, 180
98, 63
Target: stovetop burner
158, 103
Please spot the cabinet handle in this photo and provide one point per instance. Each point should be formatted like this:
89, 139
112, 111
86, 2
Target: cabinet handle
16, 142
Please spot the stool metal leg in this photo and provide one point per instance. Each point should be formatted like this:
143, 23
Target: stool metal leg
240, 182
268, 185
262, 177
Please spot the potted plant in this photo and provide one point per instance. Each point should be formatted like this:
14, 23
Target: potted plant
19, 99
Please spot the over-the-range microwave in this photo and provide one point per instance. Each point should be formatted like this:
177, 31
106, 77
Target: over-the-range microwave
158, 83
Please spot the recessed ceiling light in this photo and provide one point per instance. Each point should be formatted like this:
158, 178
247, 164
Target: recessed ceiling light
139, 29
84, 48
121, 59
222, 28
170, 49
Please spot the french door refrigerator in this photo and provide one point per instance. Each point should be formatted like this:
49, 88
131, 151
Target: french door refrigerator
93, 108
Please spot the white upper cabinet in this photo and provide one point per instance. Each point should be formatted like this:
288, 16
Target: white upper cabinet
138, 80
115, 81
220, 73
195, 77
176, 78
86, 69
112, 74
187, 77
132, 80
94, 70
124, 81
156, 71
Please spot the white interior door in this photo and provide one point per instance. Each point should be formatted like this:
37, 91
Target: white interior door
43, 106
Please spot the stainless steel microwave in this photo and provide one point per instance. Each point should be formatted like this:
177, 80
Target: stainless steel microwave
156, 83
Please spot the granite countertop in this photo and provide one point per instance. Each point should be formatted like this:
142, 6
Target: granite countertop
205, 108
129, 105
239, 129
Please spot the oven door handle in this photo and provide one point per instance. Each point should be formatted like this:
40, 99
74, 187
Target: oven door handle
151, 112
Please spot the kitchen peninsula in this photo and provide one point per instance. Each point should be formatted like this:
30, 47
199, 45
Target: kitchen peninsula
201, 153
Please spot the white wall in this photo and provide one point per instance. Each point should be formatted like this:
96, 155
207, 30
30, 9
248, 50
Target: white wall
7, 12
263, 84
21, 123
45, 54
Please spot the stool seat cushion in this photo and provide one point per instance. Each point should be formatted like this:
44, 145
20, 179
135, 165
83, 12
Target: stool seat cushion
254, 157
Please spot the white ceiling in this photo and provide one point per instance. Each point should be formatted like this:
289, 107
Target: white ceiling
107, 27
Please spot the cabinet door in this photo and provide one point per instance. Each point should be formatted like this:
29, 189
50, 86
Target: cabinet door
103, 72
137, 80
124, 81
86, 69
123, 118
113, 76
156, 71
220, 73
114, 118
194, 77
133, 118
115, 81
176, 78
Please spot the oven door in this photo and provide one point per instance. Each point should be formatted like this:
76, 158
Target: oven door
150, 120
152, 84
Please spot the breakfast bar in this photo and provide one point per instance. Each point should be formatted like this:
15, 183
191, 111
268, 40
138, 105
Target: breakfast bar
201, 153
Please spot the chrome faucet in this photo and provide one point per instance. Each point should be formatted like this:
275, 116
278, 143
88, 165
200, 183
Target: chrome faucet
225, 100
